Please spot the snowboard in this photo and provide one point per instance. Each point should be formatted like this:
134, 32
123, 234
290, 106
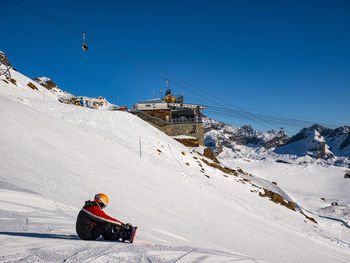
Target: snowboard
130, 234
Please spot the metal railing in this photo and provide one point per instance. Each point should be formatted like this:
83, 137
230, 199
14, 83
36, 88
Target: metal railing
187, 120
161, 122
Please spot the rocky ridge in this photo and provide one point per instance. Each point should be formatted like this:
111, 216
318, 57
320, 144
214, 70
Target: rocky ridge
330, 146
319, 142
4, 59
68, 98
219, 135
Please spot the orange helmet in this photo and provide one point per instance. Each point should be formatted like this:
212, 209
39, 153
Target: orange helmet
102, 200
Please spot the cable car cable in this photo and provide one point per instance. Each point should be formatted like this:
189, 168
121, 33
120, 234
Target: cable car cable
146, 66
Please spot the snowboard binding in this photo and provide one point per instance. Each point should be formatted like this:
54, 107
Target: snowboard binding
129, 232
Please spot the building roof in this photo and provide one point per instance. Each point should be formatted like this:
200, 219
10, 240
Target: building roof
157, 100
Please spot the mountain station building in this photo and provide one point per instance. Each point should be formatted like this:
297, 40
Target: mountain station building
180, 120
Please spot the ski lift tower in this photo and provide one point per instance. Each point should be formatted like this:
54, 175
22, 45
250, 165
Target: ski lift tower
5, 66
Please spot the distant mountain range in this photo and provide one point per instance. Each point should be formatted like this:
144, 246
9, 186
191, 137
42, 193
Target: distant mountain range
319, 142
219, 134
330, 146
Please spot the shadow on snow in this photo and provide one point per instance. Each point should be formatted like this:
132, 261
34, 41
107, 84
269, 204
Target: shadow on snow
53, 236
40, 235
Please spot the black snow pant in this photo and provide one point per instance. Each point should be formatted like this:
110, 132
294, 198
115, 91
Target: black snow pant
107, 230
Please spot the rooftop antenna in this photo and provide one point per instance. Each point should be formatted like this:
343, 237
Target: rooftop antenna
181, 98
168, 90
154, 94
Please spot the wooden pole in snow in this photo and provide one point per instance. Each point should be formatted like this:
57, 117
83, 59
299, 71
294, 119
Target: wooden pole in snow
140, 147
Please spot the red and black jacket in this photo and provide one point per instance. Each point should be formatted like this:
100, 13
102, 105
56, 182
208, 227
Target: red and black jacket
90, 216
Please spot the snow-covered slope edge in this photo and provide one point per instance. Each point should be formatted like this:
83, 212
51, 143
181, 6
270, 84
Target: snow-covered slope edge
66, 97
55, 156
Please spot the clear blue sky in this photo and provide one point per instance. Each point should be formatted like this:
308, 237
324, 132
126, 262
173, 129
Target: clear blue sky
270, 57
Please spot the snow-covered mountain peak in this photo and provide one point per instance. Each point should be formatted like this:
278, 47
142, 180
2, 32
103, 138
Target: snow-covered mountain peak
319, 142
46, 82
219, 135
309, 142
53, 88
66, 97
329, 146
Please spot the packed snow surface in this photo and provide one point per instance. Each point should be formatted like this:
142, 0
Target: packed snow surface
55, 156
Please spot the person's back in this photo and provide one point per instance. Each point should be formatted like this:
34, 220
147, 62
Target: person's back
92, 222
88, 219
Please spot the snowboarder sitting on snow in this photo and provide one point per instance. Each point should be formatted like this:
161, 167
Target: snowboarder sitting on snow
92, 222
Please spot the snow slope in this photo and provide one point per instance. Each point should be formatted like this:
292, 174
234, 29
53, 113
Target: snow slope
313, 187
55, 156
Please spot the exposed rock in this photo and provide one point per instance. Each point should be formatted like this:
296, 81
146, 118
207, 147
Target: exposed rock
223, 169
13, 81
319, 142
219, 135
347, 174
190, 142
4, 60
282, 161
278, 199
46, 82
68, 98
345, 143
32, 86
210, 155
308, 217
54, 89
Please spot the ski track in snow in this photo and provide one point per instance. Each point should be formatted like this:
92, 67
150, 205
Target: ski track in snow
106, 251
